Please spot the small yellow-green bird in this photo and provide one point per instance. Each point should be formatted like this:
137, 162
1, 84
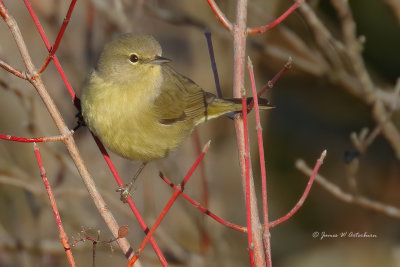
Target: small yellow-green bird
139, 106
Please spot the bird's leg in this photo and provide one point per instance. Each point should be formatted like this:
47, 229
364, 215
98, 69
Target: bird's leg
125, 191
80, 121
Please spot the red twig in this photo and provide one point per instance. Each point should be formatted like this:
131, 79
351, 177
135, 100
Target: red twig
129, 200
205, 210
59, 36
220, 15
276, 21
267, 235
63, 235
178, 191
247, 165
205, 235
272, 82
305, 194
55, 59
37, 139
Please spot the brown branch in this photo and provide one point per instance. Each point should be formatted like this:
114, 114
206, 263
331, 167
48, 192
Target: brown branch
348, 68
13, 70
353, 46
347, 197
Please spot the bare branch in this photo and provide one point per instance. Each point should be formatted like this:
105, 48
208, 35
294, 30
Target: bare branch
220, 15
349, 198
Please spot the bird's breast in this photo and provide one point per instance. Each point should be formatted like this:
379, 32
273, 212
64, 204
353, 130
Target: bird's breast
126, 122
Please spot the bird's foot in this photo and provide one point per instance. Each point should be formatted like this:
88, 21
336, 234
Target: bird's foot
125, 192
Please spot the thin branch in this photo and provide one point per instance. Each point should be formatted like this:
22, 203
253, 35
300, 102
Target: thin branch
179, 189
277, 21
336, 191
270, 84
63, 235
220, 15
204, 233
13, 70
59, 36
247, 181
267, 234
203, 209
55, 59
313, 175
61, 137
352, 44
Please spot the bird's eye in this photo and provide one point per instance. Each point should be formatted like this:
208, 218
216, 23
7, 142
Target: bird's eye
133, 58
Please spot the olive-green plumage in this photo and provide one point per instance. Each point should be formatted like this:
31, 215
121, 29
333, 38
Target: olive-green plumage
139, 106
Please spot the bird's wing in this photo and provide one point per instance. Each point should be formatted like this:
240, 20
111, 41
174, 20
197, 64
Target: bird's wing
180, 98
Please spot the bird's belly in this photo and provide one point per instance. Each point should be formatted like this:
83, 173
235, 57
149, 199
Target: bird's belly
142, 138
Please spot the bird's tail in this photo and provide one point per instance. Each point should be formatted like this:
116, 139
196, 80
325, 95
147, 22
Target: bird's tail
222, 106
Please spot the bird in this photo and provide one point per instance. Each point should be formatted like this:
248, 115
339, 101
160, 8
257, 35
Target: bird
139, 106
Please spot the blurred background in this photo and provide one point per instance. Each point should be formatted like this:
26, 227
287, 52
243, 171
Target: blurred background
339, 84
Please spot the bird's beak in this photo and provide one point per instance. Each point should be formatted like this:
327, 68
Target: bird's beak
160, 60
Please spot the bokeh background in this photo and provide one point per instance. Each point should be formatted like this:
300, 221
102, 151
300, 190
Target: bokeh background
316, 109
